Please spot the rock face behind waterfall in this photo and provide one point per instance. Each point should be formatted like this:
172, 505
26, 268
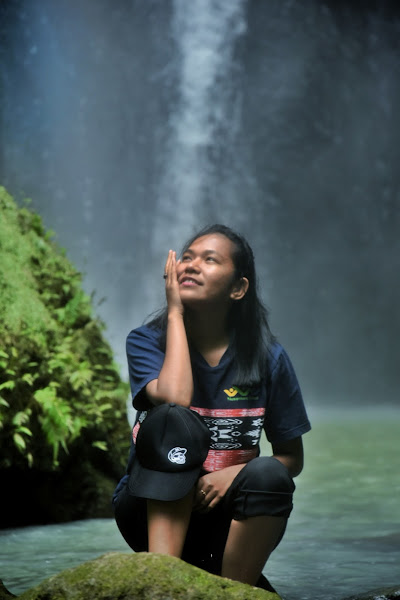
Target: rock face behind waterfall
144, 576
64, 433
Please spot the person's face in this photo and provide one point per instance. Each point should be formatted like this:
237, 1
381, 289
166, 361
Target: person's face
207, 272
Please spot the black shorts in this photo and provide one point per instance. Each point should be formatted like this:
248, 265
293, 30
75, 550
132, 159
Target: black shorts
262, 487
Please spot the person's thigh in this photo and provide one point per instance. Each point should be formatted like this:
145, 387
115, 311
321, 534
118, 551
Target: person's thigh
206, 539
131, 517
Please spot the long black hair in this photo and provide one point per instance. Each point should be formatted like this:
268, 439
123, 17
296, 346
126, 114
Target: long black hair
248, 324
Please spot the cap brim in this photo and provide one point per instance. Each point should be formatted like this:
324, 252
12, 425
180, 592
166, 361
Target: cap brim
159, 485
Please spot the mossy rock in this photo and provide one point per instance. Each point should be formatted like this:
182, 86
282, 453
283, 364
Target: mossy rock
62, 401
142, 576
4, 593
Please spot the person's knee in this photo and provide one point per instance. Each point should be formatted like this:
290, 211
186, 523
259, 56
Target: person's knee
263, 487
267, 474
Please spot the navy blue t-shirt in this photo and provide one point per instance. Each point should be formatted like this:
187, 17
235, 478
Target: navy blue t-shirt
235, 416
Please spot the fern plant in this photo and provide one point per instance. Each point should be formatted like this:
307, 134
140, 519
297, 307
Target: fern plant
57, 374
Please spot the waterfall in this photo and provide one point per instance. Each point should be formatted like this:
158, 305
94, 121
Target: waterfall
205, 33
132, 124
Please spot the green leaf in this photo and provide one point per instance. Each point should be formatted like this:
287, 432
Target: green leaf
45, 396
25, 430
100, 446
7, 385
28, 378
19, 418
19, 441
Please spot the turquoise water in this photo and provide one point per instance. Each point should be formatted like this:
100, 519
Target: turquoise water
343, 537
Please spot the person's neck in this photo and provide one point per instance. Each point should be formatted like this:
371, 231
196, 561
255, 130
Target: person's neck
207, 331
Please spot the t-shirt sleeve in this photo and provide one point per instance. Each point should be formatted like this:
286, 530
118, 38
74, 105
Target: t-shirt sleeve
286, 417
145, 359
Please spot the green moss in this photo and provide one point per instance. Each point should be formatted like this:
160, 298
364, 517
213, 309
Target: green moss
57, 376
141, 577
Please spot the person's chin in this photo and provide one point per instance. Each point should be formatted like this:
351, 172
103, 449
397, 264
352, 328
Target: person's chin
189, 298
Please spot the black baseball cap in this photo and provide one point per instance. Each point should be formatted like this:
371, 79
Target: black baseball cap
171, 446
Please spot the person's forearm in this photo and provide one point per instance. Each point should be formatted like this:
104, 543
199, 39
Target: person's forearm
175, 381
293, 464
290, 454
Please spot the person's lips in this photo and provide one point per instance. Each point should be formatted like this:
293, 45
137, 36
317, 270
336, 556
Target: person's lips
187, 281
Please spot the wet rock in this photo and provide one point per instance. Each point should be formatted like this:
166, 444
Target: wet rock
381, 594
141, 576
4, 593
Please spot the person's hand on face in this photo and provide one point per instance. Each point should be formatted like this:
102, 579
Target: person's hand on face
174, 301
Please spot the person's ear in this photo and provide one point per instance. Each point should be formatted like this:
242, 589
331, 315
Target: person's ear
240, 288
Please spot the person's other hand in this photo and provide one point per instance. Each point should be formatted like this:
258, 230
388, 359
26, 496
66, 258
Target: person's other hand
212, 487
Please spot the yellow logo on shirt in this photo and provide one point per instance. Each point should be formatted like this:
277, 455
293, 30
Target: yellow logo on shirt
233, 391
236, 393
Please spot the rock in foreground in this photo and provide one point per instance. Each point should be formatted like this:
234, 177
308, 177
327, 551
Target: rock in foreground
381, 594
141, 577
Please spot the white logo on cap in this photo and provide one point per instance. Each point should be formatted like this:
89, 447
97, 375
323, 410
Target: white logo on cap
177, 455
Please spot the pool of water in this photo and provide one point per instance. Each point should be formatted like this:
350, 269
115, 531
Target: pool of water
343, 537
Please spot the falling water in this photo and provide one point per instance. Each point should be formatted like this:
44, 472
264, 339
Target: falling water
130, 124
205, 118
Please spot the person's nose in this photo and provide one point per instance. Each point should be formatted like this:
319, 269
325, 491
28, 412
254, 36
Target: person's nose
193, 266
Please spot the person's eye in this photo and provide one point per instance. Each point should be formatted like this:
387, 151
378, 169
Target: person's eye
210, 259
185, 257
